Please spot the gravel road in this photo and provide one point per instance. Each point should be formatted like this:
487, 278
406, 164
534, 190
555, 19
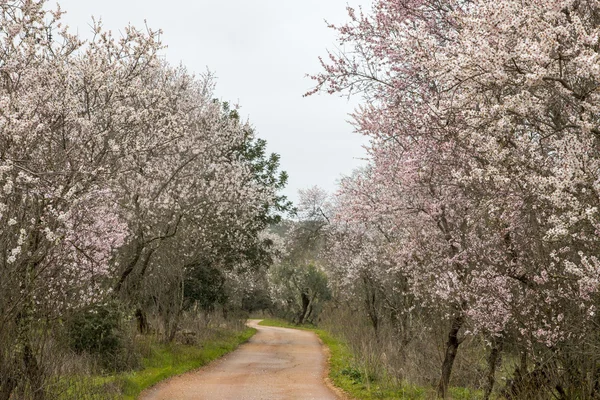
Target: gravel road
277, 363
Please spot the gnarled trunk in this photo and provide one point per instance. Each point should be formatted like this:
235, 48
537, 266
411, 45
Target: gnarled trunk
451, 350
305, 307
493, 361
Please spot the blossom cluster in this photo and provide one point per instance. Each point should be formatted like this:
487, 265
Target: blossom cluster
482, 186
113, 163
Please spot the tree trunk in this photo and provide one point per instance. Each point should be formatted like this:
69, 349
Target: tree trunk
34, 373
596, 381
139, 248
178, 310
7, 386
371, 303
305, 304
142, 321
309, 313
172, 330
451, 350
493, 361
372, 311
523, 369
517, 386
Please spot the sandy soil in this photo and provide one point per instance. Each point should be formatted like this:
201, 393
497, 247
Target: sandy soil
277, 363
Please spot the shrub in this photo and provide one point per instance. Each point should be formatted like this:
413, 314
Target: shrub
98, 331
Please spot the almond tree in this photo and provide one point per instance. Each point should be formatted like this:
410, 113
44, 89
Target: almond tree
60, 221
489, 109
112, 165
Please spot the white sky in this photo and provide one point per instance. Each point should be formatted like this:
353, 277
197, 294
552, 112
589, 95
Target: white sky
261, 51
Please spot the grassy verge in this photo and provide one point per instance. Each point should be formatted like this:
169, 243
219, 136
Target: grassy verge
162, 361
166, 361
346, 373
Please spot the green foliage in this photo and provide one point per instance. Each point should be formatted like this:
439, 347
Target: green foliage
256, 299
204, 285
94, 330
316, 281
265, 168
353, 373
244, 248
299, 291
97, 331
266, 174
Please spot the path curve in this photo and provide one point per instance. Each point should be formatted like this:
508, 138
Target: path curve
276, 364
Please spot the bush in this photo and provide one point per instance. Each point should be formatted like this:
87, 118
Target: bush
98, 331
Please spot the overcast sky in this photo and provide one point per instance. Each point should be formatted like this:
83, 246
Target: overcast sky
260, 51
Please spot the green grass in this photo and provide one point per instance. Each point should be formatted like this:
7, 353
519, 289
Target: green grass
162, 361
347, 374
166, 361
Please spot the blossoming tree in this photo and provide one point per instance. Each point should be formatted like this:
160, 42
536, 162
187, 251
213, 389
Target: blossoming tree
483, 124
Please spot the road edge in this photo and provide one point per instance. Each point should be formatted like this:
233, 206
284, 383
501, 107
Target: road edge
146, 394
341, 393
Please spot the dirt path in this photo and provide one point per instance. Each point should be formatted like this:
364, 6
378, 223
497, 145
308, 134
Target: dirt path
277, 363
